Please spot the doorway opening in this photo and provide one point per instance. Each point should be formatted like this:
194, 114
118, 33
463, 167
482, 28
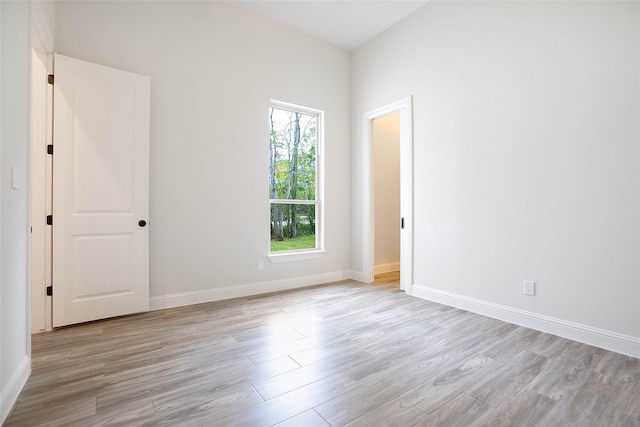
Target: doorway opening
385, 143
373, 121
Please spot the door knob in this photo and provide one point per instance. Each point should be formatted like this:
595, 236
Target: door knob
142, 223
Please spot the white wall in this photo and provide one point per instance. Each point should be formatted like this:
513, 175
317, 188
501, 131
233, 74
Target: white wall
14, 212
385, 137
214, 69
526, 154
45, 11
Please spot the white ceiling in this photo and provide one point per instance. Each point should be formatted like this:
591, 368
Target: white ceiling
343, 23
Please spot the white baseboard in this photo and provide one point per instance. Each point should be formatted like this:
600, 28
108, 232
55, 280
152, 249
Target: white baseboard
387, 268
229, 292
613, 341
358, 276
9, 394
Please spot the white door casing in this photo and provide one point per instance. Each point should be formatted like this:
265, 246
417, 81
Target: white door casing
100, 192
43, 46
404, 107
38, 167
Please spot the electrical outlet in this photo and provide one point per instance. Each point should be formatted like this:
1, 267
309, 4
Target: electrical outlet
260, 265
529, 288
15, 177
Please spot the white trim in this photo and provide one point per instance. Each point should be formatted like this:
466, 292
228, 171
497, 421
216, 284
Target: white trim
404, 107
609, 340
9, 394
299, 255
387, 268
42, 42
38, 121
296, 108
250, 289
358, 276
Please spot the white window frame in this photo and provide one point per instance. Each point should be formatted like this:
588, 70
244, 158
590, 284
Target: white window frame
318, 251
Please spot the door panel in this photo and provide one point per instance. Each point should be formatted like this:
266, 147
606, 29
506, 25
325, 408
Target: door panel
100, 192
104, 178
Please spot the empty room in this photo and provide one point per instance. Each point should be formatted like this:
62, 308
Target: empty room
320, 213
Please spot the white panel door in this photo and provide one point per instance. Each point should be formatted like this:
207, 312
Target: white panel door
100, 192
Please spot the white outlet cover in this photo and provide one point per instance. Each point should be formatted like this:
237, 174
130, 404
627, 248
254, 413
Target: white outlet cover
15, 178
529, 288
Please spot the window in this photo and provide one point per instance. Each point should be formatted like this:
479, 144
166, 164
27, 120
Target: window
294, 179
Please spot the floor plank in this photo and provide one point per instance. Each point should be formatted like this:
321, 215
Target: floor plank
463, 410
397, 412
308, 418
507, 380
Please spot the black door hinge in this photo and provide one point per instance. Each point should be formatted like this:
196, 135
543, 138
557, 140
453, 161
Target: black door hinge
49, 291
49, 219
50, 149
402, 223
50, 79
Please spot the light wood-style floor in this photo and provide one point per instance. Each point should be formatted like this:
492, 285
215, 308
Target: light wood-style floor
340, 354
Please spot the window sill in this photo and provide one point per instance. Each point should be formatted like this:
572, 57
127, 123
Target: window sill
276, 257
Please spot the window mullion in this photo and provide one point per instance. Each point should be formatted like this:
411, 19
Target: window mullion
293, 202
